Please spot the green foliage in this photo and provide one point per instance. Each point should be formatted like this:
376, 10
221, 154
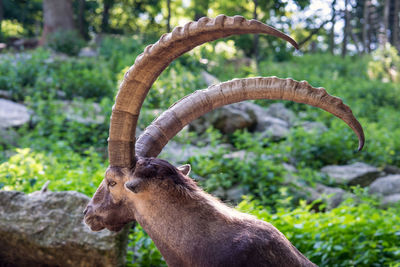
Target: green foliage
385, 65
66, 41
41, 74
357, 233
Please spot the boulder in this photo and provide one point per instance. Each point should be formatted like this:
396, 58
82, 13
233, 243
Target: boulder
332, 196
390, 169
311, 126
278, 110
390, 200
177, 153
208, 78
235, 193
273, 128
358, 173
13, 114
88, 52
385, 186
47, 229
227, 119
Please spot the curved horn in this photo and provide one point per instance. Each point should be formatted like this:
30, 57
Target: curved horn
170, 122
149, 65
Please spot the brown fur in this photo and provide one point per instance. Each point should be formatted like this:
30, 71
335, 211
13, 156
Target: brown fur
192, 228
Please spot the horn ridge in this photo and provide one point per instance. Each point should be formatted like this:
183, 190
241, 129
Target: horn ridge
184, 111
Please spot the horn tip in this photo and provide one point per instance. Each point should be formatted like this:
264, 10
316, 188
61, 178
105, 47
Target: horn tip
360, 144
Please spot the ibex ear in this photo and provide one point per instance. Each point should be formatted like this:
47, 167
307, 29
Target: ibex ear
185, 169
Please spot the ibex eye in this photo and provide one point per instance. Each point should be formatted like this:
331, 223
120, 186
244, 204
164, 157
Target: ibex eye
112, 183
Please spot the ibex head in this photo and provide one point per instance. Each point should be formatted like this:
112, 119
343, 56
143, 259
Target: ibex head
131, 165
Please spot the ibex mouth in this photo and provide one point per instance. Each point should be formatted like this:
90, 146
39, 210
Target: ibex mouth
94, 222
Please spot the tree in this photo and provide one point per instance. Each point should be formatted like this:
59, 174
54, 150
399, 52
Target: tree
57, 15
395, 29
105, 24
345, 28
169, 15
365, 40
332, 32
1, 16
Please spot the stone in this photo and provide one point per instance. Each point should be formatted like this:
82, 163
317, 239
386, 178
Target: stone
227, 119
278, 110
82, 112
8, 137
208, 78
177, 153
358, 173
235, 193
332, 196
311, 126
390, 169
13, 114
390, 200
272, 128
241, 154
47, 229
5, 94
388, 185
88, 52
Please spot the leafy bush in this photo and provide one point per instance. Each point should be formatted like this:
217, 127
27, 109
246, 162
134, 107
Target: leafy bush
66, 41
353, 234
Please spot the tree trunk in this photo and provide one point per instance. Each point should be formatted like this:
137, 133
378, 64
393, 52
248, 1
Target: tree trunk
57, 15
332, 33
385, 33
396, 26
81, 18
365, 26
256, 36
169, 15
105, 25
346, 28
1, 17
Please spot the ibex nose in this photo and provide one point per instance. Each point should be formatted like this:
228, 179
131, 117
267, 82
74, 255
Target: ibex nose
86, 210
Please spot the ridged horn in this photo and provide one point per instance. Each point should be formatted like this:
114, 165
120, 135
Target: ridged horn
189, 108
149, 65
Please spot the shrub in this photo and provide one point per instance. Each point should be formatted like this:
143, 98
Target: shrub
357, 233
66, 41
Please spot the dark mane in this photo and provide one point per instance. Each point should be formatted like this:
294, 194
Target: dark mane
155, 168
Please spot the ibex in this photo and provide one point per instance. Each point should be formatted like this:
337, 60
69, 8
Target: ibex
189, 226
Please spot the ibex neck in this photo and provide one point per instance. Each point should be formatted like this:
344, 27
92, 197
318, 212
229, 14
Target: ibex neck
183, 230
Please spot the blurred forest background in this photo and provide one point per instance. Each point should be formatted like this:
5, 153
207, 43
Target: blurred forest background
293, 165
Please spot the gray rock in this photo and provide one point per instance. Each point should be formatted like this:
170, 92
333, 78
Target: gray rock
288, 167
390, 200
88, 52
13, 114
278, 110
227, 119
208, 78
5, 94
390, 169
235, 193
48, 230
273, 128
332, 196
357, 173
82, 112
8, 137
311, 126
241, 154
388, 185
177, 153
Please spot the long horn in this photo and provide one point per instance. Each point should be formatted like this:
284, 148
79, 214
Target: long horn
189, 108
149, 65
